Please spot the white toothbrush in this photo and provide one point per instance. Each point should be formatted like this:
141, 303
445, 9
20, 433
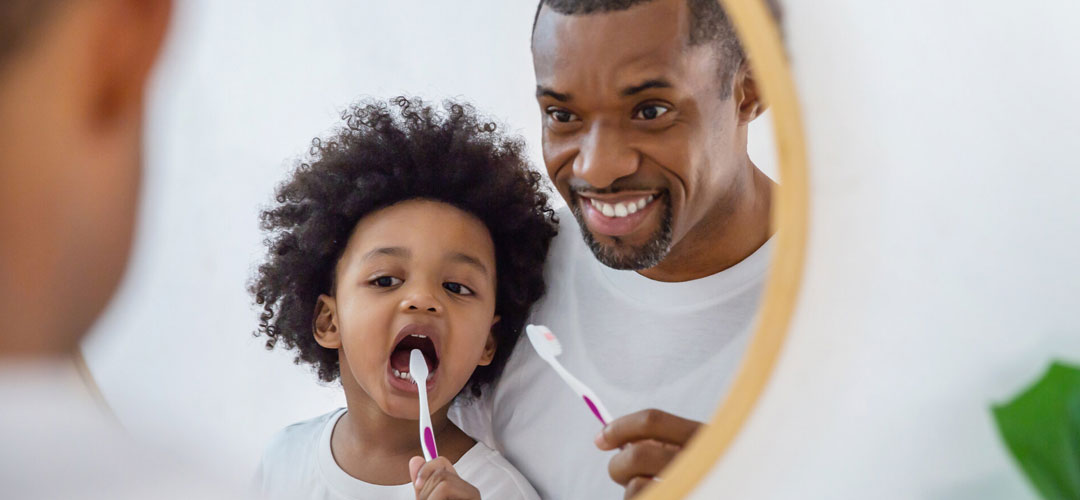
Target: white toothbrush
419, 373
547, 346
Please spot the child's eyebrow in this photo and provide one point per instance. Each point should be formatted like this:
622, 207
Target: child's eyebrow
467, 259
389, 251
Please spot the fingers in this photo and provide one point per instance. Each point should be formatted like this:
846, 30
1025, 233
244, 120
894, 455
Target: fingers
643, 459
636, 486
415, 463
437, 480
427, 469
646, 424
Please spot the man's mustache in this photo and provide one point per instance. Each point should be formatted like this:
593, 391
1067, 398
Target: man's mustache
581, 188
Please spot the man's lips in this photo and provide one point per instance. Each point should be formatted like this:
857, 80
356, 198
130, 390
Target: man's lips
617, 214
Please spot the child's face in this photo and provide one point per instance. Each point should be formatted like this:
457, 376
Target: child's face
418, 274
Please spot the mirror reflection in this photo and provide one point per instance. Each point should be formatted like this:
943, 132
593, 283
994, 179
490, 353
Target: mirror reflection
601, 170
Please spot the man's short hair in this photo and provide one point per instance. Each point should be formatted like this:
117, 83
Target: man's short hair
708, 24
18, 20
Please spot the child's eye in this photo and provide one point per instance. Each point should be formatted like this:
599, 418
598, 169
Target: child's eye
457, 288
386, 281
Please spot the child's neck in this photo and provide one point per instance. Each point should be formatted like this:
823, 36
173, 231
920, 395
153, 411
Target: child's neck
375, 447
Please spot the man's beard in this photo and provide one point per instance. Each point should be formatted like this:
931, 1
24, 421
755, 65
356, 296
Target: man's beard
636, 258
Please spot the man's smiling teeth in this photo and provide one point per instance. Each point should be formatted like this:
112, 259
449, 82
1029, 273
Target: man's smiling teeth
406, 376
621, 209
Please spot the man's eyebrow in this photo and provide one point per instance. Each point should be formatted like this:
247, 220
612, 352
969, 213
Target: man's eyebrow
465, 258
542, 91
656, 83
388, 251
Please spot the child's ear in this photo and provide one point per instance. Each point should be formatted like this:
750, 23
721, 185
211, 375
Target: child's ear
325, 323
490, 345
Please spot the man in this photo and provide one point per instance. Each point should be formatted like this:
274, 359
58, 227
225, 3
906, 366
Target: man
645, 107
72, 78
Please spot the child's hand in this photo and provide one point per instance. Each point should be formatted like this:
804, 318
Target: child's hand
436, 480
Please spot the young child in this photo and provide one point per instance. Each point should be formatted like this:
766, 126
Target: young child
409, 229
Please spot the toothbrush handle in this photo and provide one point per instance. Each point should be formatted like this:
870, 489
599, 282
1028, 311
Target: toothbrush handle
427, 436
428, 439
593, 402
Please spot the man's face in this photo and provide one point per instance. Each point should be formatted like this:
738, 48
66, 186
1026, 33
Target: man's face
636, 135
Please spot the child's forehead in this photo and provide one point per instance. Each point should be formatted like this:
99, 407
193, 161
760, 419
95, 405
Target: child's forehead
421, 228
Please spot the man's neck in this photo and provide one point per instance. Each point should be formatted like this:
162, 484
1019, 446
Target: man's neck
719, 242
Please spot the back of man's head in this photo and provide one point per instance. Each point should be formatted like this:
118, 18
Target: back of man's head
18, 20
72, 78
708, 24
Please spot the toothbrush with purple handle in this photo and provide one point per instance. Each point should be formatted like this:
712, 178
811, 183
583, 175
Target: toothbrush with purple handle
548, 347
418, 370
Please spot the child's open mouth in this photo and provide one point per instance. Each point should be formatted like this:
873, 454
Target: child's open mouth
413, 337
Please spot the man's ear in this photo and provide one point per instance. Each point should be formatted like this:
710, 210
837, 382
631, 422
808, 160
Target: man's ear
748, 100
325, 324
128, 35
491, 345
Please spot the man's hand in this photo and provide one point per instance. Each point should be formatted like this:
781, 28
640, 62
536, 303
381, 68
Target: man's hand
436, 480
648, 440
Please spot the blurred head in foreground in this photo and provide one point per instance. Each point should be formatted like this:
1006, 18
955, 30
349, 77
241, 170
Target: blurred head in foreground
72, 80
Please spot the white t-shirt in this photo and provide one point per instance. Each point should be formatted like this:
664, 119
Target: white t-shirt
57, 441
636, 342
299, 464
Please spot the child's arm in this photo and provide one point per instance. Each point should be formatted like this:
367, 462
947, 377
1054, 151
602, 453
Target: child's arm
437, 480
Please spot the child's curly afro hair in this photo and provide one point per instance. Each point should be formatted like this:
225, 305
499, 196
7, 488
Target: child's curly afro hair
387, 153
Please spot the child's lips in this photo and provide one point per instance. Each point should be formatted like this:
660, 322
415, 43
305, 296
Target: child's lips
417, 329
426, 338
405, 384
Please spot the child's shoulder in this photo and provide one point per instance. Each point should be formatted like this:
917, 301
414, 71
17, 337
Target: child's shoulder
493, 475
293, 450
295, 437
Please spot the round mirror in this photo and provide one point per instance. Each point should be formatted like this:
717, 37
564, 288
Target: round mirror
241, 92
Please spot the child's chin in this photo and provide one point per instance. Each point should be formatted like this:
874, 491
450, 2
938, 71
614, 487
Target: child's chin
407, 408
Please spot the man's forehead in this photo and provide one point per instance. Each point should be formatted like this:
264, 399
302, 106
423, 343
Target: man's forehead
640, 43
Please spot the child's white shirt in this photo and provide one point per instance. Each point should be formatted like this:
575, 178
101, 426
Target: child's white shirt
298, 463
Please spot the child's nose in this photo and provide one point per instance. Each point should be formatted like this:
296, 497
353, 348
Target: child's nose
421, 301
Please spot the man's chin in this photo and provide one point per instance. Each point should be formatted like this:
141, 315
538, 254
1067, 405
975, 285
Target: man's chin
617, 253
624, 259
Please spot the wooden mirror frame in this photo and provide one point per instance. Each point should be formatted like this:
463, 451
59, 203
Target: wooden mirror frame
760, 38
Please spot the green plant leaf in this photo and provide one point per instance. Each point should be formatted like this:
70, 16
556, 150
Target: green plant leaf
1041, 427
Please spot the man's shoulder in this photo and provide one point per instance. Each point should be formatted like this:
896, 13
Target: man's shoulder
493, 475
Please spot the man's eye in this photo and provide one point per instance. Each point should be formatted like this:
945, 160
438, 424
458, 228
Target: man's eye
386, 281
650, 112
561, 115
457, 288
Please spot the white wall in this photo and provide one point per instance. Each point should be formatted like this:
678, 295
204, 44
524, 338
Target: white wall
943, 270
242, 89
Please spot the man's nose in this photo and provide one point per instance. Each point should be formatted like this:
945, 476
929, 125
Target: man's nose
604, 156
421, 299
